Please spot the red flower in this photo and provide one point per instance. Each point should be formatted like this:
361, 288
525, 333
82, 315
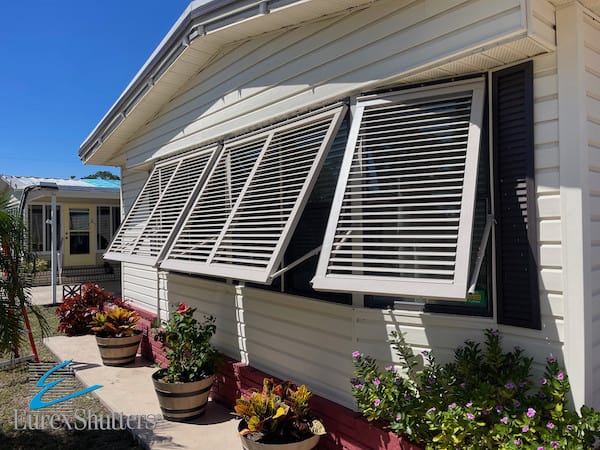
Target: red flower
182, 308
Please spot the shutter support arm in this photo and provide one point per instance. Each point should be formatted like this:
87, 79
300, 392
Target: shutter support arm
310, 254
481, 252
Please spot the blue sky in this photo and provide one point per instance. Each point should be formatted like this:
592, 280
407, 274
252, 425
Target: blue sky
64, 63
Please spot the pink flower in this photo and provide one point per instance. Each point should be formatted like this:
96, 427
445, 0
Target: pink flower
182, 308
530, 412
540, 448
550, 425
376, 382
561, 376
468, 405
355, 354
470, 416
377, 402
554, 444
389, 368
517, 441
504, 420
525, 429
358, 386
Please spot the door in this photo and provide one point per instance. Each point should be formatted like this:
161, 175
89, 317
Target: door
78, 245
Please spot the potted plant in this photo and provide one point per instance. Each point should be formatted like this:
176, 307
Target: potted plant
116, 335
182, 387
76, 312
278, 417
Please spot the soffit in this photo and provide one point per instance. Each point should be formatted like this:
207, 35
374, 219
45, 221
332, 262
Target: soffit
592, 5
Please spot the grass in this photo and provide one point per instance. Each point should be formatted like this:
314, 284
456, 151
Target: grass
15, 395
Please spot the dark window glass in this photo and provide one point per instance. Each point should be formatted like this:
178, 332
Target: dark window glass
311, 228
103, 227
79, 243
36, 228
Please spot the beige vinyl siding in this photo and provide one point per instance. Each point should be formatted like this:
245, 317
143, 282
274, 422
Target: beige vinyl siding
289, 337
591, 37
291, 69
311, 341
139, 283
547, 186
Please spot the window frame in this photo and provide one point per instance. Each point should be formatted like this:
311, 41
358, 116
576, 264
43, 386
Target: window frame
430, 289
114, 226
46, 212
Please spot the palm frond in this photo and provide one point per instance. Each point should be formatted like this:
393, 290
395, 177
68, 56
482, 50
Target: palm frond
15, 283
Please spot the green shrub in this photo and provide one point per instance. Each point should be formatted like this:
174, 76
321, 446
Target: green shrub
484, 399
39, 265
188, 350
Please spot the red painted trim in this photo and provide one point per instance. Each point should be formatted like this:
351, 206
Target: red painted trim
149, 348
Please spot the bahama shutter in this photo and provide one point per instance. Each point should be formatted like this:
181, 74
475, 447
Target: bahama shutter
245, 214
146, 228
402, 216
515, 232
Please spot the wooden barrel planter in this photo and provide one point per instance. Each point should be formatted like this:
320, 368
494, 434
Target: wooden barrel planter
182, 401
118, 351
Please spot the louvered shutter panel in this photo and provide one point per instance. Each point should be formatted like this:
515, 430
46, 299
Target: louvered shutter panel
402, 217
146, 229
515, 233
244, 216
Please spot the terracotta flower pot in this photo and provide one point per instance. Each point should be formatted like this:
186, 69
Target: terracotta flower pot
182, 401
118, 351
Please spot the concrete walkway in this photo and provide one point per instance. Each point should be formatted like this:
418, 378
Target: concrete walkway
129, 390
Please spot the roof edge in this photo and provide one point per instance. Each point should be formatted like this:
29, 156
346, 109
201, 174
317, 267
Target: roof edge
195, 21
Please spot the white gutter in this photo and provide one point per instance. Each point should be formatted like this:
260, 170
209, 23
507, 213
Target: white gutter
198, 19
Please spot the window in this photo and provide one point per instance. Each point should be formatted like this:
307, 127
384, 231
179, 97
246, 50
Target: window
246, 212
36, 227
40, 234
163, 199
108, 219
402, 202
79, 231
309, 232
402, 217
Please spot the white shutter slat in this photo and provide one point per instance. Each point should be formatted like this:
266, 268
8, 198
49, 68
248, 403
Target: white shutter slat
211, 209
402, 216
252, 231
418, 272
146, 229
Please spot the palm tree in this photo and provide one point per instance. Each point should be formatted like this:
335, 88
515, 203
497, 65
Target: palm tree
15, 294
